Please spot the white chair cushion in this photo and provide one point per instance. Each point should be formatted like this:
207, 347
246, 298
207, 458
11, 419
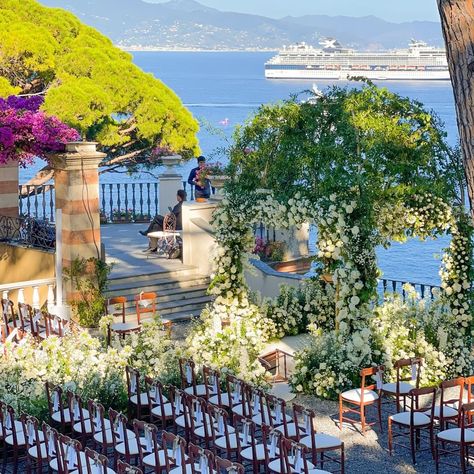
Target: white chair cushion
404, 418
275, 466
238, 409
77, 427
84, 471
18, 427
448, 412
98, 437
355, 394
454, 434
20, 438
131, 326
247, 453
143, 399
56, 416
291, 428
224, 399
33, 451
391, 387
257, 419
322, 441
180, 421
54, 464
132, 446
168, 409
149, 460
200, 390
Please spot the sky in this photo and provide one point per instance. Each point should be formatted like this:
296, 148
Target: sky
391, 10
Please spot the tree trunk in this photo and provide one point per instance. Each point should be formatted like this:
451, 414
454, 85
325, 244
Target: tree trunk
457, 21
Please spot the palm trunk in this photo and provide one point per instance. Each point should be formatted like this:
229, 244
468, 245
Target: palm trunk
457, 21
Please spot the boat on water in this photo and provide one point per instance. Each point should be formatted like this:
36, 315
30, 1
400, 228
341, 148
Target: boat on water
332, 61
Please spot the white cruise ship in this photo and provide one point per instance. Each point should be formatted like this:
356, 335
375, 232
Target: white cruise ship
332, 61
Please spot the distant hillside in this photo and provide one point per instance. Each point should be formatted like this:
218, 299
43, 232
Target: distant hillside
184, 24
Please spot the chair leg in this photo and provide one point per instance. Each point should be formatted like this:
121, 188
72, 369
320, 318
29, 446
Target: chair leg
432, 443
379, 410
436, 455
412, 444
463, 458
343, 458
362, 419
390, 447
340, 412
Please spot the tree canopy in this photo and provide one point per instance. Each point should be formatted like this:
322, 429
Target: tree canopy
365, 137
90, 84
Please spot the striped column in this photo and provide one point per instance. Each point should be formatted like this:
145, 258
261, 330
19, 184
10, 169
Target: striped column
76, 180
9, 189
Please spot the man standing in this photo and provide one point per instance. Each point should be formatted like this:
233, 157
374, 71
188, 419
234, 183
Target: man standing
199, 190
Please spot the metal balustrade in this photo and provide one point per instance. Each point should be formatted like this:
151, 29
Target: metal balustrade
28, 232
425, 290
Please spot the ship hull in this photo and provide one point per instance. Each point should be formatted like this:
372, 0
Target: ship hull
410, 75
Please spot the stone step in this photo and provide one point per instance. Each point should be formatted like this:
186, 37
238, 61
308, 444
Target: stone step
176, 296
181, 272
160, 285
183, 305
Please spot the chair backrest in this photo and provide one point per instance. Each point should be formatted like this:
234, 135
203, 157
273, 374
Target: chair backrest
414, 364
174, 447
8, 315
69, 455
149, 433
145, 302
229, 467
156, 397
201, 460
277, 412
246, 431
466, 419
304, 420
373, 372
169, 222
10, 425
219, 425
422, 400
196, 409
76, 410
295, 456
97, 420
451, 393
125, 468
187, 370
119, 422
133, 382
469, 382
55, 326
236, 391
177, 400
212, 380
51, 438
33, 439
272, 445
116, 306
96, 463
54, 395
25, 315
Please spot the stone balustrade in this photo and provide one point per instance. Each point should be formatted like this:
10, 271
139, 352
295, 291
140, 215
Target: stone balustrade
30, 292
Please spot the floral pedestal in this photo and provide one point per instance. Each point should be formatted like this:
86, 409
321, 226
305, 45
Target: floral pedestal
218, 182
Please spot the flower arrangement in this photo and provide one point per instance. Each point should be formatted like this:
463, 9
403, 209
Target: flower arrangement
217, 169
269, 251
26, 132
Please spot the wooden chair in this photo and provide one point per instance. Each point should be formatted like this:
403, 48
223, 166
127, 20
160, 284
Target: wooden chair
59, 413
145, 304
249, 447
80, 416
116, 308
71, 458
201, 461
14, 440
408, 377
229, 467
458, 440
295, 458
179, 407
174, 449
413, 422
10, 319
211, 379
138, 400
220, 432
51, 439
26, 316
187, 369
124, 440
237, 391
150, 452
319, 444
366, 395
272, 447
101, 427
160, 409
451, 399
36, 449
96, 463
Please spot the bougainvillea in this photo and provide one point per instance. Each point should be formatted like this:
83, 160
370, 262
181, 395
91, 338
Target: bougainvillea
27, 132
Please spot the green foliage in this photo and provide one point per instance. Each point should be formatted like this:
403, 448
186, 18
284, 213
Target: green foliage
360, 137
89, 279
90, 84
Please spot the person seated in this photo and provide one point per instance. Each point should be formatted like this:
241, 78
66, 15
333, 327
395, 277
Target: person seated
199, 191
157, 223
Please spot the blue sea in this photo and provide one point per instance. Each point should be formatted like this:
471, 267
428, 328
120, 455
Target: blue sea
223, 89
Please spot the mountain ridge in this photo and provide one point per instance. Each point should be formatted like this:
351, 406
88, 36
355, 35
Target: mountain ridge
187, 24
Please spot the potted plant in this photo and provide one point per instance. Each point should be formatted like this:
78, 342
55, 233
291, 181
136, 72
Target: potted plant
122, 216
103, 217
139, 217
218, 176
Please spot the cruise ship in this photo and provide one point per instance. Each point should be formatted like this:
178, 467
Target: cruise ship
333, 61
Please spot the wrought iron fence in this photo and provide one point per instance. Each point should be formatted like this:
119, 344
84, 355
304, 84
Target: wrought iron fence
28, 232
425, 290
36, 201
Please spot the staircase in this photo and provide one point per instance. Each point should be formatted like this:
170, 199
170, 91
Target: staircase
181, 292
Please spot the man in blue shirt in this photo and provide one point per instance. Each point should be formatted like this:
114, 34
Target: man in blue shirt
199, 191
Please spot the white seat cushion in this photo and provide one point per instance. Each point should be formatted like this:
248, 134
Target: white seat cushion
54, 463
33, 451
238, 409
132, 446
291, 428
448, 412
143, 399
355, 394
149, 460
200, 390
454, 434
20, 438
168, 409
275, 466
322, 441
130, 326
56, 416
18, 427
84, 471
404, 418
257, 419
247, 453
77, 427
180, 421
98, 437
391, 387
224, 399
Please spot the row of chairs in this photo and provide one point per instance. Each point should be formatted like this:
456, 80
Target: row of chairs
27, 319
447, 421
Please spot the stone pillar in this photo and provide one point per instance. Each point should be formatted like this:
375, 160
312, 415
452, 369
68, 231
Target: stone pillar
169, 183
77, 195
198, 238
9, 189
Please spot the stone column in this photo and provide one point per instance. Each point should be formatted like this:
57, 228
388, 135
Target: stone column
77, 195
9, 189
169, 183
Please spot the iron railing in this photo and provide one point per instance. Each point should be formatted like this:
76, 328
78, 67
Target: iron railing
36, 201
268, 234
28, 232
425, 290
